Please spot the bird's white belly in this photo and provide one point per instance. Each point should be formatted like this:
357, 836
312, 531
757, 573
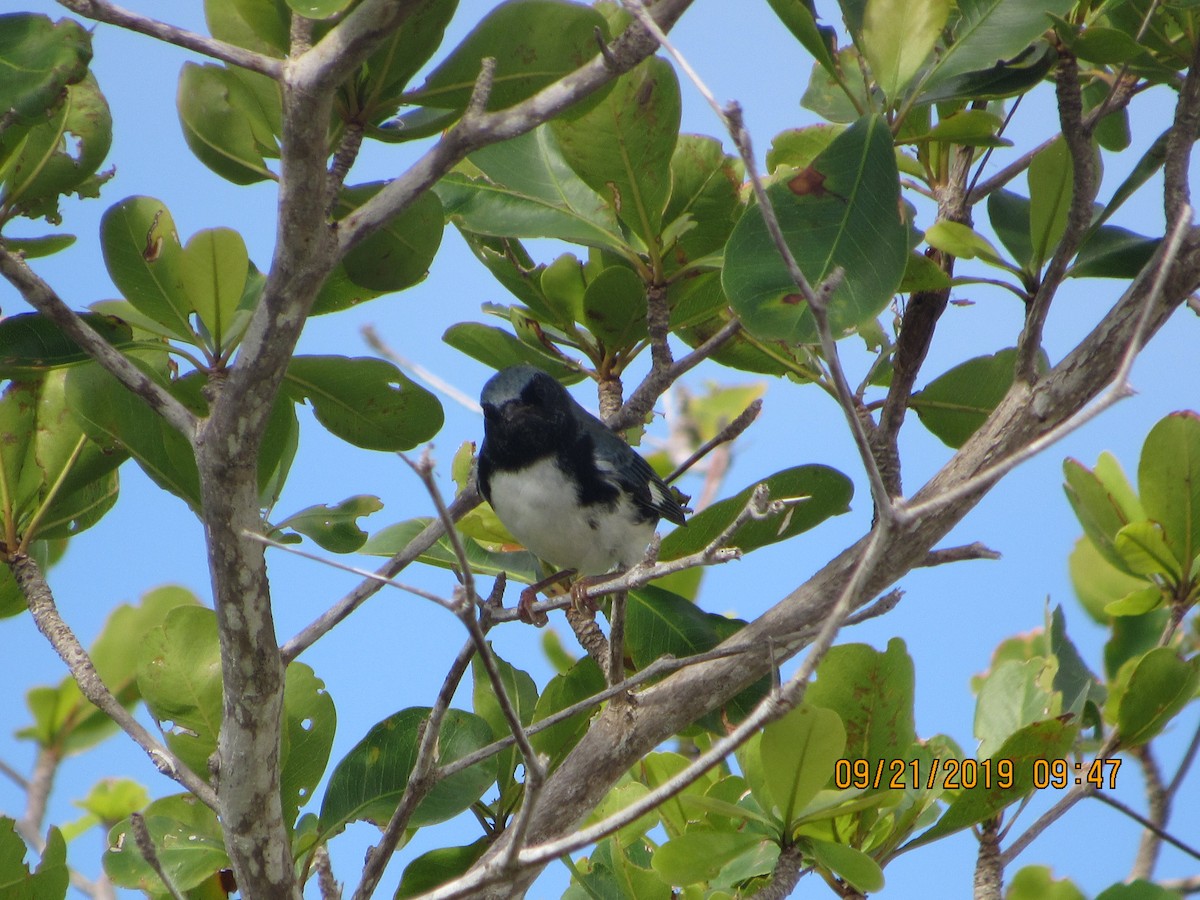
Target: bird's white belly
541, 509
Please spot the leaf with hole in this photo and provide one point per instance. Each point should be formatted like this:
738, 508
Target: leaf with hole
842, 212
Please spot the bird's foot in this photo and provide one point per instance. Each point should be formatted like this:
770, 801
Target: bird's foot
525, 605
579, 597
525, 609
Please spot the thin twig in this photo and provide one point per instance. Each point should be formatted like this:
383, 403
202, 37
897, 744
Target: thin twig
110, 13
353, 570
145, 846
1044, 821
730, 432
16, 777
1189, 757
48, 620
1132, 813
958, 554
376, 343
310, 634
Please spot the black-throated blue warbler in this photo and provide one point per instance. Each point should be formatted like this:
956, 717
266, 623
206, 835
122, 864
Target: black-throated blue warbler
567, 487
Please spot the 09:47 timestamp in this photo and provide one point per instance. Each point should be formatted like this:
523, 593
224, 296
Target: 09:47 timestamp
1098, 773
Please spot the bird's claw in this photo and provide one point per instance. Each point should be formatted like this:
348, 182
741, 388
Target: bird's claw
526, 610
579, 597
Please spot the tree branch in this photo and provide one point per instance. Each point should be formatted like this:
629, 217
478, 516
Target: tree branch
430, 534
46, 616
1078, 138
38, 294
110, 13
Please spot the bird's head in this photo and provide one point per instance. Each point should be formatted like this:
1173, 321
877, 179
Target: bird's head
524, 397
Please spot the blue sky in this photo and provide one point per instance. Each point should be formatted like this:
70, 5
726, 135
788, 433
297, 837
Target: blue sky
393, 652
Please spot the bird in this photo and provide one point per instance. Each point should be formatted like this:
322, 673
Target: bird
562, 482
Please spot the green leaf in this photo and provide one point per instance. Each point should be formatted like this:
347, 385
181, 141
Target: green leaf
798, 756
872, 693
215, 266
114, 799
850, 864
30, 343
59, 155
828, 492
955, 404
309, 722
964, 242
259, 25
116, 419
1169, 483
398, 255
967, 128
528, 191
497, 348
986, 32
1159, 687
1009, 215
1136, 890
379, 89
704, 193
622, 146
1050, 200
179, 677
1136, 602
699, 855
617, 871
841, 212
520, 566
368, 783
1049, 739
1036, 883
1112, 252
436, 867
1074, 680
522, 696
57, 482
578, 683
660, 623
801, 20
66, 720
1013, 695
367, 402
187, 838
49, 881
37, 247
223, 124
614, 307
145, 261
335, 528
798, 147
1097, 504
534, 43
1143, 547
897, 38
41, 57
